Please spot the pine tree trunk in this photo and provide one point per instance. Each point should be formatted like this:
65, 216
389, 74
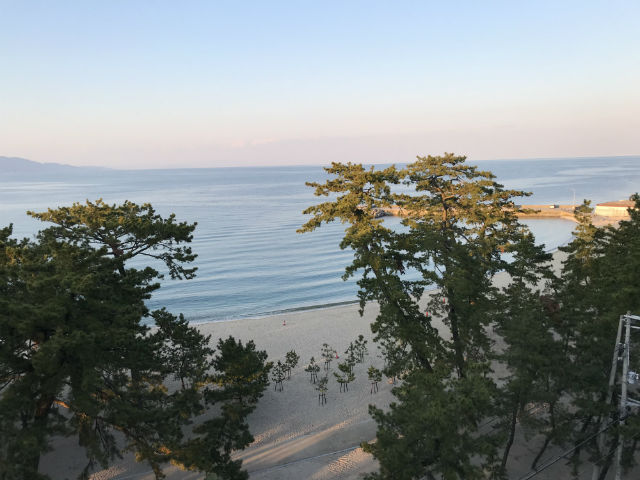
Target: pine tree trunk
424, 362
512, 434
548, 438
39, 425
455, 335
605, 468
575, 458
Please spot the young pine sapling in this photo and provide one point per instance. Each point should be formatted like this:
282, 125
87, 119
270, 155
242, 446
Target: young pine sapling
361, 348
312, 368
322, 390
327, 354
375, 376
352, 356
291, 361
278, 374
345, 376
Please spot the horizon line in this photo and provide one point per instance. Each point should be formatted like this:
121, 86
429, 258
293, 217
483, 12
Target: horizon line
500, 159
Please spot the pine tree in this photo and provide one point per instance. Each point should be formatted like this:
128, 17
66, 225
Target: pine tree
375, 376
278, 375
312, 368
76, 357
534, 354
430, 431
240, 378
361, 348
345, 375
291, 361
352, 356
457, 222
598, 284
327, 353
321, 388
125, 231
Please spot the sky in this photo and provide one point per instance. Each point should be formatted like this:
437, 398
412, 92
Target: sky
144, 84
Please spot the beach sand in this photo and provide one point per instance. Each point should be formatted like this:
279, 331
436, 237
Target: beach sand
295, 437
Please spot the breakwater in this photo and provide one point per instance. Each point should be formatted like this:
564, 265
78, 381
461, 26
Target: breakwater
542, 211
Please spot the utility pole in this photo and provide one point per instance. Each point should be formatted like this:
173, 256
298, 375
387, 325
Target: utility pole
612, 382
620, 354
622, 412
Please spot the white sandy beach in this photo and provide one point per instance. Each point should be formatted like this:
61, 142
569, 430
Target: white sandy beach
295, 437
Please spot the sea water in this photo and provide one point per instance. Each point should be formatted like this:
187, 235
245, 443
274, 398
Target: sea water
251, 262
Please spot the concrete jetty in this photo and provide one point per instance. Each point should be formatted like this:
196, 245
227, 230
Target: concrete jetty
604, 213
607, 213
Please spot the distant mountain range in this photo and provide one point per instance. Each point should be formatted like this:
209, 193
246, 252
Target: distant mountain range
15, 165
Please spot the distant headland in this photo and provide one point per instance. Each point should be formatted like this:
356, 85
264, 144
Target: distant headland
22, 166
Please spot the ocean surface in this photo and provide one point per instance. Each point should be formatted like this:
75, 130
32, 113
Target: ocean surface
251, 262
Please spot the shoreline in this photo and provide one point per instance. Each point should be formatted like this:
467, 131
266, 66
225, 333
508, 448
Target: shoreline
289, 311
324, 306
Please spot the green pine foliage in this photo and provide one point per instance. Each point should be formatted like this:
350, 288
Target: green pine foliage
278, 374
291, 361
352, 356
458, 223
240, 378
429, 430
76, 357
344, 375
551, 338
375, 377
241, 371
599, 283
534, 354
327, 353
312, 368
124, 232
360, 346
322, 388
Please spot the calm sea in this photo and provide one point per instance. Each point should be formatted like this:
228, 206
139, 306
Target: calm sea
251, 262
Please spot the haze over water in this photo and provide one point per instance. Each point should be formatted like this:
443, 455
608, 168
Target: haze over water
251, 261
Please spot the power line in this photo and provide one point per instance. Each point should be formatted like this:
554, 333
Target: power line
571, 450
612, 451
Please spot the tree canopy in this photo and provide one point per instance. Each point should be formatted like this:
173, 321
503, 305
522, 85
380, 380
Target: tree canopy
77, 357
599, 283
460, 228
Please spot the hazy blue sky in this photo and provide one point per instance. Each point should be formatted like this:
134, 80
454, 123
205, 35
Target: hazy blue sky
203, 83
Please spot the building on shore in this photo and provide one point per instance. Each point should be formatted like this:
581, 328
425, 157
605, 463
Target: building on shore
614, 209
